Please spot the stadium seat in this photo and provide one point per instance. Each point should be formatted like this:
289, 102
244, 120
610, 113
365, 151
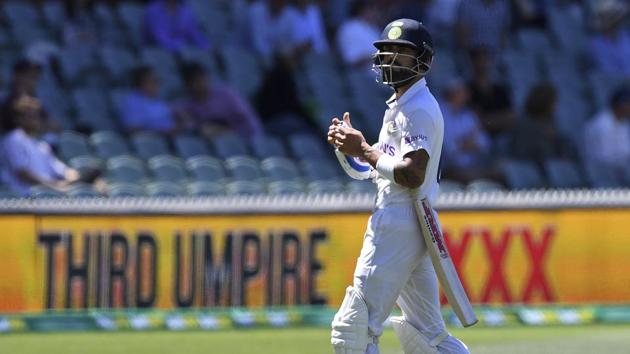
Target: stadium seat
205, 189
202, 56
319, 169
448, 186
72, 144
55, 101
26, 34
77, 63
600, 176
229, 144
206, 169
522, 73
188, 146
86, 163
602, 86
132, 18
534, 42
307, 146
158, 58
125, 190
40, 191
54, 15
7, 194
166, 168
325, 187
568, 30
280, 169
104, 15
484, 185
165, 189
147, 145
442, 72
243, 168
563, 173
522, 174
242, 69
126, 169
118, 62
361, 187
245, 188
265, 146
6, 41
215, 21
93, 111
19, 13
83, 190
108, 144
285, 187
321, 80
117, 98
165, 65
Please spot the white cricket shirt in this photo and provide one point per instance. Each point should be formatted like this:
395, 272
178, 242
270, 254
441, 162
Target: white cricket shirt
411, 123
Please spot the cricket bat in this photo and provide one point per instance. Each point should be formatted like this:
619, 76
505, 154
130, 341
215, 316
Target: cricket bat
443, 264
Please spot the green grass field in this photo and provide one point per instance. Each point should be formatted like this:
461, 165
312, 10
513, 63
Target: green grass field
515, 340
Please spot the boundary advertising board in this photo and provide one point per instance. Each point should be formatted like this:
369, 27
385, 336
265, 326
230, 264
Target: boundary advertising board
180, 261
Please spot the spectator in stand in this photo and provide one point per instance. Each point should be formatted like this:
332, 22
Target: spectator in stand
271, 33
356, 35
442, 21
308, 27
536, 137
273, 38
483, 23
26, 75
413, 9
215, 108
143, 109
27, 160
171, 25
607, 136
529, 14
80, 26
610, 44
466, 144
490, 99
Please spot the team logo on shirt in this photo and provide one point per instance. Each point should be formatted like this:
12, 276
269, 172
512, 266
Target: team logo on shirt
392, 128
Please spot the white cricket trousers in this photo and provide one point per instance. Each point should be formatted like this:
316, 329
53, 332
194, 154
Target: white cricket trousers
394, 267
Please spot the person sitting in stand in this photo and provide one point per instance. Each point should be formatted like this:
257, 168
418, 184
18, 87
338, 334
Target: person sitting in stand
215, 108
143, 110
28, 160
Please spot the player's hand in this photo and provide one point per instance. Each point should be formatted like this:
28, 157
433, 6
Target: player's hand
336, 123
347, 139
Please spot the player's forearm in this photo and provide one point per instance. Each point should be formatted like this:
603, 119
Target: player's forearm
408, 172
407, 176
370, 153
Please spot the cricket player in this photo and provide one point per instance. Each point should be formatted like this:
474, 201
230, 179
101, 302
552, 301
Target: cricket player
394, 266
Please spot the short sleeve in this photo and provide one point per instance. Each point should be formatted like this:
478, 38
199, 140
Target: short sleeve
418, 132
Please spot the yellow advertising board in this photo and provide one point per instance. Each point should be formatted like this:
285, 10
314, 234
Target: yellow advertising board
57, 262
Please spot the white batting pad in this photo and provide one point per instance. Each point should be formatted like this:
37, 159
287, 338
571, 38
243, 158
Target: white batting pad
350, 326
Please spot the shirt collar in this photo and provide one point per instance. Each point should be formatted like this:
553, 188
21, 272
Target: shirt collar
419, 85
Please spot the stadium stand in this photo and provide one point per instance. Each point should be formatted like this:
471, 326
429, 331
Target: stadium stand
81, 88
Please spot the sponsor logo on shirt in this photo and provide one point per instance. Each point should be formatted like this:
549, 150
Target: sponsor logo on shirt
411, 139
387, 149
